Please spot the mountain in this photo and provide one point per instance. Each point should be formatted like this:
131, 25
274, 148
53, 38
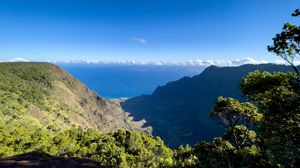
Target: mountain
179, 110
47, 96
50, 119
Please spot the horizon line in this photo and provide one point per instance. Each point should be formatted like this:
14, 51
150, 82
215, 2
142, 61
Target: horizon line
195, 63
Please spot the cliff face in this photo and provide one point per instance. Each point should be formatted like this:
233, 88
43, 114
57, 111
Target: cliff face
48, 96
179, 111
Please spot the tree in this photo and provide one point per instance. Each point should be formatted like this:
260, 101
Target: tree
281, 128
232, 112
239, 119
278, 99
287, 43
273, 108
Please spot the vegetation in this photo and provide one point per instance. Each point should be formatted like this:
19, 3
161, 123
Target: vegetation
287, 43
263, 131
119, 149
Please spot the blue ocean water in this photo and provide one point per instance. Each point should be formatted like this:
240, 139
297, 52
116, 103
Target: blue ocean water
114, 81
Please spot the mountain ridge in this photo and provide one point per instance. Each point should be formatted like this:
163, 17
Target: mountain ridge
51, 97
187, 102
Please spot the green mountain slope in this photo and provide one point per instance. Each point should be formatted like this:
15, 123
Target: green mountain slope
47, 96
44, 109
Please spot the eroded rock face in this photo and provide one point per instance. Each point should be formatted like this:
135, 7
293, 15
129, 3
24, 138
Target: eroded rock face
63, 101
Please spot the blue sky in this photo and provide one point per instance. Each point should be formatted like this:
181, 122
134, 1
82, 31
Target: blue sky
141, 29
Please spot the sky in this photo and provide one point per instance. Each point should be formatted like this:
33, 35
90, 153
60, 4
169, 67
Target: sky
151, 30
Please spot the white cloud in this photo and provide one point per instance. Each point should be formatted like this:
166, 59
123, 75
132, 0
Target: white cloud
284, 62
197, 62
140, 40
15, 60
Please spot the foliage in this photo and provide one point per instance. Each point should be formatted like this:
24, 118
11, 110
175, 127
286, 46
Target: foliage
287, 43
120, 149
279, 100
232, 112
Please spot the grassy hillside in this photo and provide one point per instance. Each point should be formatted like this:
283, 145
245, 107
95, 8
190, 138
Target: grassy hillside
49, 97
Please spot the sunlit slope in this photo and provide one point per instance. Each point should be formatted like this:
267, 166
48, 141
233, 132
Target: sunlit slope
45, 95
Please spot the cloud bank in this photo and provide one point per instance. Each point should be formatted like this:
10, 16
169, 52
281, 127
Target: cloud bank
197, 62
15, 60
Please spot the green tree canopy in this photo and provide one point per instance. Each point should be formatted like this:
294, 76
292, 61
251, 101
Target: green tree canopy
287, 43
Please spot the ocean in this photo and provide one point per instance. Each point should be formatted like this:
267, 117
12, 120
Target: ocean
116, 81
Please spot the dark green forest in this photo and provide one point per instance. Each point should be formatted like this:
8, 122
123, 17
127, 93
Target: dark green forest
262, 131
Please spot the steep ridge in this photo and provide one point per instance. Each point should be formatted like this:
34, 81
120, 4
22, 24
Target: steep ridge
179, 111
49, 97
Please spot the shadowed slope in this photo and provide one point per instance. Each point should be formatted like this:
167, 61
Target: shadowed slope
43, 160
179, 110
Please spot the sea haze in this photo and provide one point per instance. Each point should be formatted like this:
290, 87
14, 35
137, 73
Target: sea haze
114, 81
